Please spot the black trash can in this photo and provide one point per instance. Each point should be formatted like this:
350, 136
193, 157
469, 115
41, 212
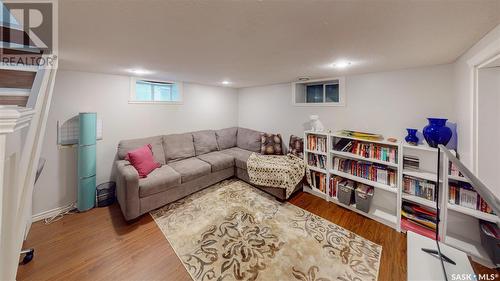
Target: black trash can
105, 194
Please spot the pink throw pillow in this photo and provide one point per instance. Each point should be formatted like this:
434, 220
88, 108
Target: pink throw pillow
142, 160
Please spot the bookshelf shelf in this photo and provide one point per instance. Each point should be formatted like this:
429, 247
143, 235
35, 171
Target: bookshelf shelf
384, 205
425, 175
424, 147
316, 192
315, 152
314, 168
458, 178
475, 213
419, 200
377, 214
324, 134
365, 181
471, 247
337, 135
355, 156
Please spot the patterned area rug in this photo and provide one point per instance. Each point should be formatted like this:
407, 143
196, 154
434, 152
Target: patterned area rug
233, 231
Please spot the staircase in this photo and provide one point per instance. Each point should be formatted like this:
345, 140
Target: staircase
25, 97
15, 86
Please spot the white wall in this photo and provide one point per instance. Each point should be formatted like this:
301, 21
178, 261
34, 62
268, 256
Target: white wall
463, 92
386, 102
489, 127
205, 107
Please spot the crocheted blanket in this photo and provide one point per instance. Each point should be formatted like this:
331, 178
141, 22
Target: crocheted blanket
282, 171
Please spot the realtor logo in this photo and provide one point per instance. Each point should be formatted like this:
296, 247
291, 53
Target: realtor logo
28, 30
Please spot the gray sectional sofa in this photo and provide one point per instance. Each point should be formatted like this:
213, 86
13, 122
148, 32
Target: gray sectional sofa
190, 162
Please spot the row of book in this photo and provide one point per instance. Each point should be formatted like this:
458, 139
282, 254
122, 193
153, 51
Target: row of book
318, 181
453, 170
368, 150
418, 219
369, 171
334, 182
316, 160
419, 187
464, 195
316, 143
411, 163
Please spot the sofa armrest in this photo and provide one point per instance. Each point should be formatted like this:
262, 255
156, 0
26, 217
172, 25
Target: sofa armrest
127, 189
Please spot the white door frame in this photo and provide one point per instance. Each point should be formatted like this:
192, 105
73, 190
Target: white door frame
486, 56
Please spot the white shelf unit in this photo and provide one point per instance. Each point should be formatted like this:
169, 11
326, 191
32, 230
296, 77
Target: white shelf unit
307, 151
459, 226
461, 229
427, 171
384, 207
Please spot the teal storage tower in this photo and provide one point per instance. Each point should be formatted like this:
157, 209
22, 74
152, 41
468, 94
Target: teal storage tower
87, 161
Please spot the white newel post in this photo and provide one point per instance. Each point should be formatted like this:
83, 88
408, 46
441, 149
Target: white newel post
14, 124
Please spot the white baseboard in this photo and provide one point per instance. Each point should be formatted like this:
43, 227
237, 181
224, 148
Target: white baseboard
53, 212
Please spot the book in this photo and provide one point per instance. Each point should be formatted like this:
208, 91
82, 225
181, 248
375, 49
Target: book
411, 162
316, 143
419, 187
316, 160
464, 195
361, 135
318, 181
367, 150
366, 170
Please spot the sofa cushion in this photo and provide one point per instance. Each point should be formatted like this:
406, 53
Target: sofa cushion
248, 139
159, 180
226, 138
204, 142
218, 160
191, 168
178, 146
125, 146
296, 146
142, 160
271, 144
240, 156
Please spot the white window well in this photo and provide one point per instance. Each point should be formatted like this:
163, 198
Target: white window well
155, 92
321, 92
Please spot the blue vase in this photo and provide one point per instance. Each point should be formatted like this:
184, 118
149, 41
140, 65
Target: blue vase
436, 132
412, 138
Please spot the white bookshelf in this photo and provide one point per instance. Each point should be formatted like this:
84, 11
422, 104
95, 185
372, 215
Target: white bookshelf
459, 226
461, 229
427, 171
313, 190
384, 206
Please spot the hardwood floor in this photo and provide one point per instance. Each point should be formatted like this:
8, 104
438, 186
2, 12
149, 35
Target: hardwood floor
100, 245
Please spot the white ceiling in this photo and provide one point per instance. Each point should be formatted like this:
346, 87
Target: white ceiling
263, 42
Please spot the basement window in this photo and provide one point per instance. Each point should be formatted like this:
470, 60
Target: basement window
155, 92
321, 92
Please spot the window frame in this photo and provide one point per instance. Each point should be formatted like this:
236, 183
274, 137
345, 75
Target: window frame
324, 82
132, 96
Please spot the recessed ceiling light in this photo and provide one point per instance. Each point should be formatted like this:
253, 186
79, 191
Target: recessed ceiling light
341, 64
304, 78
226, 82
139, 71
